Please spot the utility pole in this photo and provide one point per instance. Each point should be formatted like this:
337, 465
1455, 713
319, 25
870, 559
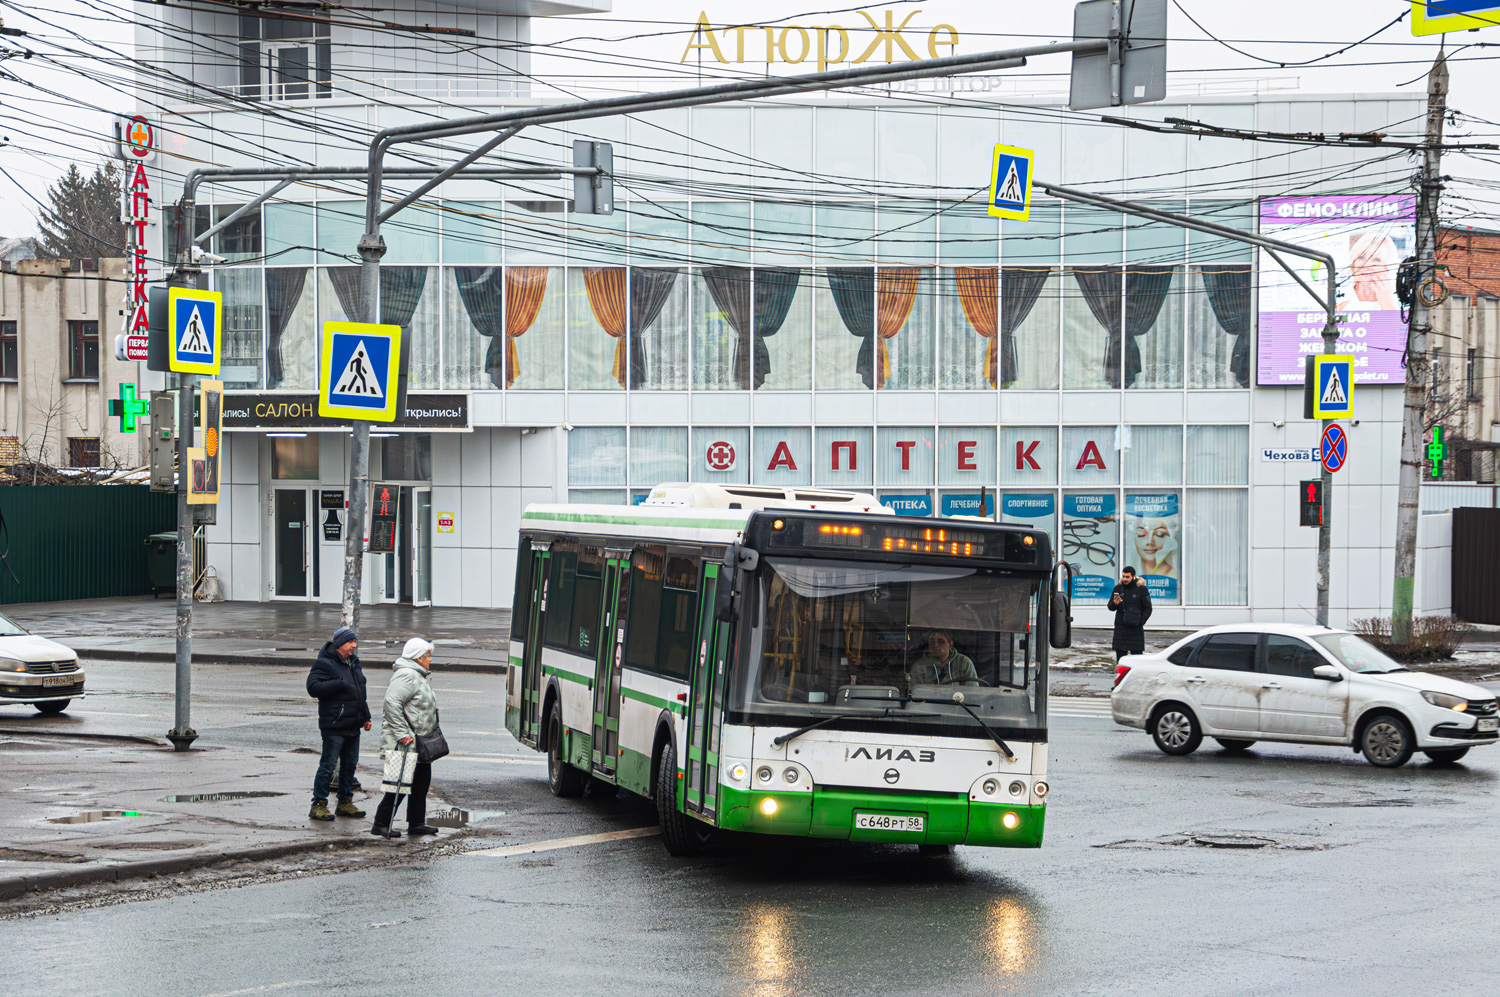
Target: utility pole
1417, 360
1325, 522
182, 735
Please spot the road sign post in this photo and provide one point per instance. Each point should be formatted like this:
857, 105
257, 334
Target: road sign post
361, 371
1429, 18
1334, 449
194, 330
1010, 182
1333, 386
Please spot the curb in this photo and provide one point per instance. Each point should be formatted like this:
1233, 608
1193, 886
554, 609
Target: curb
155, 742
16, 886
221, 658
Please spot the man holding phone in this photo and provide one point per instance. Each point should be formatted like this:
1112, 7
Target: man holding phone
1131, 604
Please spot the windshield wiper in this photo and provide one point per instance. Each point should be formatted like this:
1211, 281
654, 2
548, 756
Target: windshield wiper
778, 741
958, 698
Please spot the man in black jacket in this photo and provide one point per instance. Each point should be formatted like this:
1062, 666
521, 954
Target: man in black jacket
1131, 604
338, 684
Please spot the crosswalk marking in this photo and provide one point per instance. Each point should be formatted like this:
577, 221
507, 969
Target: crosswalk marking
1083, 707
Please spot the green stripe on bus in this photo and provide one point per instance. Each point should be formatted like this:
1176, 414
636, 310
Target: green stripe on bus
584, 517
564, 674
657, 701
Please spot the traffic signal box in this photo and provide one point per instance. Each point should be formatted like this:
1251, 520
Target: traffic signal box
1310, 503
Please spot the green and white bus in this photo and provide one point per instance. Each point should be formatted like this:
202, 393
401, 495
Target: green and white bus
794, 662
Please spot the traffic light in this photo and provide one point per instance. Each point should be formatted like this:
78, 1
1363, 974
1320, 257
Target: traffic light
594, 193
1310, 503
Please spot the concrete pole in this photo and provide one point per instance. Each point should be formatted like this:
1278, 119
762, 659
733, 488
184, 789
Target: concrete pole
182, 734
1325, 527
371, 249
1418, 362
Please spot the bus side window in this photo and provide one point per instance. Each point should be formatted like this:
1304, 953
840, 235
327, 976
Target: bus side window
679, 615
585, 622
560, 598
520, 606
646, 567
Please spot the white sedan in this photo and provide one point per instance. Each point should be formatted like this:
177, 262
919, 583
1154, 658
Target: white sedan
1309, 685
36, 670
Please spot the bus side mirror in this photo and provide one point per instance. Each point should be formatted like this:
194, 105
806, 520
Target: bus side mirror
1060, 623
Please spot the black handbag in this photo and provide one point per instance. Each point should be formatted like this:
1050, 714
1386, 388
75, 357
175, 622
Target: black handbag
430, 747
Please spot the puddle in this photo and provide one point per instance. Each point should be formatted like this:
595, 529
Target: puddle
220, 797
90, 816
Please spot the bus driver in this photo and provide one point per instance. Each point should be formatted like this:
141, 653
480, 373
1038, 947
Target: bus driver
943, 664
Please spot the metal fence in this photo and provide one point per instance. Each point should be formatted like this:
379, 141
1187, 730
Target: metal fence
1444, 498
1476, 554
78, 541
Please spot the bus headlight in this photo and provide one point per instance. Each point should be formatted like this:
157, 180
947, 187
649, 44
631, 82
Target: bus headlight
990, 787
790, 775
1040, 789
1011, 821
768, 807
764, 773
1018, 788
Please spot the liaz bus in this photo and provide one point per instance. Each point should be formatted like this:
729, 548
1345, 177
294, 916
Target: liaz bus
794, 662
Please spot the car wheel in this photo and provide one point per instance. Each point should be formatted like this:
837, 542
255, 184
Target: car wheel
936, 851
562, 778
683, 835
1234, 744
56, 706
1175, 730
1445, 756
1386, 741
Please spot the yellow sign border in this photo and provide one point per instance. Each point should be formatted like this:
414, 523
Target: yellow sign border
1011, 150
370, 330
1422, 25
1344, 359
176, 294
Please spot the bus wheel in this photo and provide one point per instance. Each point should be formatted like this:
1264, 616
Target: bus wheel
562, 778
680, 833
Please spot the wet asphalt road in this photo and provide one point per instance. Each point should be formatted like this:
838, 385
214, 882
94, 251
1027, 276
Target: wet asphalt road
1377, 882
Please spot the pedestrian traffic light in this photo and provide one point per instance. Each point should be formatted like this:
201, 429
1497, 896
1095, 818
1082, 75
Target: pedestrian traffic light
1310, 503
1437, 450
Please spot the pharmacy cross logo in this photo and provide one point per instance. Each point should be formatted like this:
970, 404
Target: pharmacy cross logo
720, 456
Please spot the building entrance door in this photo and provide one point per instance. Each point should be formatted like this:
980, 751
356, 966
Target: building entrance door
421, 547
293, 542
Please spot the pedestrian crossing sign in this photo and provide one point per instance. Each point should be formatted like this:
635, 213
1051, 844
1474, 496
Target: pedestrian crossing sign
360, 371
1333, 386
194, 328
1010, 182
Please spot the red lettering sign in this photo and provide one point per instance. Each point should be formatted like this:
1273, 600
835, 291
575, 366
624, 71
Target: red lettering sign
851, 447
966, 455
1024, 456
905, 447
782, 458
1091, 456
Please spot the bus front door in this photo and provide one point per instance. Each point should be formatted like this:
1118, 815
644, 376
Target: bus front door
606, 740
706, 700
531, 663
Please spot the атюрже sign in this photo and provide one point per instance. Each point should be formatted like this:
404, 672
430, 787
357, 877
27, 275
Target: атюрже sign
1368, 236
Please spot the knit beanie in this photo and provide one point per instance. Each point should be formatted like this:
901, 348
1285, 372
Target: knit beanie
342, 636
415, 648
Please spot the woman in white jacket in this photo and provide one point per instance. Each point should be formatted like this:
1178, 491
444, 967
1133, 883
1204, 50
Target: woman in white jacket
410, 708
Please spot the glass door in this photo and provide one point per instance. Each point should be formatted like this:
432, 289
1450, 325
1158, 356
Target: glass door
291, 540
615, 589
706, 701
421, 547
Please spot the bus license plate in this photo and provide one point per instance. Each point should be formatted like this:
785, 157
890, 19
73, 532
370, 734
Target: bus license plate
56, 680
888, 822
1488, 723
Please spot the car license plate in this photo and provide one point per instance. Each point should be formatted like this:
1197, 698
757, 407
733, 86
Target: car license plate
56, 680
1488, 723
888, 822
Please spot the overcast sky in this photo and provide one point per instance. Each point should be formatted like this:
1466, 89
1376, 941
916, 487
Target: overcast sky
44, 132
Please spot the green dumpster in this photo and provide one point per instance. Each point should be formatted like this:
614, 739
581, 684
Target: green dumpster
161, 562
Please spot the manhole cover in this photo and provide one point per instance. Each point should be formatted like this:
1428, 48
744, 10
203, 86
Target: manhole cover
91, 816
1231, 841
220, 797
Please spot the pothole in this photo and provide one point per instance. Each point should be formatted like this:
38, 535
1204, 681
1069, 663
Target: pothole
145, 846
1231, 841
91, 816
27, 855
1234, 840
258, 794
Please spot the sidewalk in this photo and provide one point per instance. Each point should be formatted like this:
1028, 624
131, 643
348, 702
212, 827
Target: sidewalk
83, 810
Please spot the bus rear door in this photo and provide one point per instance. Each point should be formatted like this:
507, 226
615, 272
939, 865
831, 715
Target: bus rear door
706, 700
615, 588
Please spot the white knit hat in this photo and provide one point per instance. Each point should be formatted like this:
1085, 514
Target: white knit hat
415, 648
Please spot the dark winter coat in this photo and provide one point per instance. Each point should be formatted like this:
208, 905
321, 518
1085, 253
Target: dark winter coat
1131, 614
339, 688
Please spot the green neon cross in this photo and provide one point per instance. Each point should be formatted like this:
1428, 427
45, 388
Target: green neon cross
128, 407
1436, 451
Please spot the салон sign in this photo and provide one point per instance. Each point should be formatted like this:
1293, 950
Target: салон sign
826, 45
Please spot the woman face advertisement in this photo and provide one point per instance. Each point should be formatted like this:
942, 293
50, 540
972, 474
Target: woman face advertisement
1153, 537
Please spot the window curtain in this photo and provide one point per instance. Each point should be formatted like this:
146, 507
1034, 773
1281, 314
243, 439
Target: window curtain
649, 289
1145, 290
894, 291
772, 290
400, 292
525, 287
479, 288
1229, 296
1019, 289
512, 305
978, 293
283, 292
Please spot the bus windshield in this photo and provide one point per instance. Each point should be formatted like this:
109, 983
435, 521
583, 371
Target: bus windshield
892, 641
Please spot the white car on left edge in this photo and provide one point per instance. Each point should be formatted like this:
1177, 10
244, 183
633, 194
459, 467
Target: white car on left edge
36, 670
1309, 685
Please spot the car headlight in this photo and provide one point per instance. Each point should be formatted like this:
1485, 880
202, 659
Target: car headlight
1446, 701
12, 665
